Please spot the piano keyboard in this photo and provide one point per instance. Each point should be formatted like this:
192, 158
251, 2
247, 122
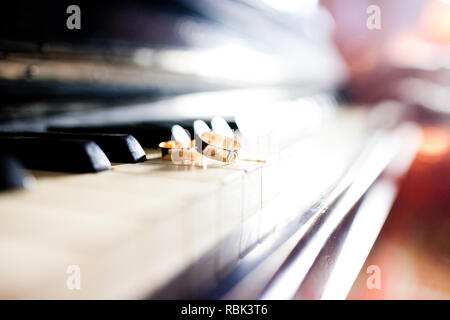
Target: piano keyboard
133, 228
117, 147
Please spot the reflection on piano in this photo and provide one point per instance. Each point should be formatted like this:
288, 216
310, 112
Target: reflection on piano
83, 113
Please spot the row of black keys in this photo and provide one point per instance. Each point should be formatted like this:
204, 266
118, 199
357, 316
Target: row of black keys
78, 149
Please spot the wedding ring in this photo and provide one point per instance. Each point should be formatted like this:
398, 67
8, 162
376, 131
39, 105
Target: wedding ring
173, 150
178, 152
207, 143
218, 147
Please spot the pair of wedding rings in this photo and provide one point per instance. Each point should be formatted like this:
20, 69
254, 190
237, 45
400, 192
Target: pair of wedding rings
217, 146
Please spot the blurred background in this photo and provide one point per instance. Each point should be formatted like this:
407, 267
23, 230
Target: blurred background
407, 60
148, 49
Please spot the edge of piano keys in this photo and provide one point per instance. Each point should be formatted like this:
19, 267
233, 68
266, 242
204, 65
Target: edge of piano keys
242, 179
81, 185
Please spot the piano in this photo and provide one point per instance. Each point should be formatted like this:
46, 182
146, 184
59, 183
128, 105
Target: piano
89, 208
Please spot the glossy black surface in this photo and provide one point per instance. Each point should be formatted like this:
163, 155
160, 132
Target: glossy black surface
149, 133
53, 154
12, 174
118, 147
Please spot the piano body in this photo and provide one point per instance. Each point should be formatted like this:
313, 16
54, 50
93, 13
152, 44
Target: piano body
294, 216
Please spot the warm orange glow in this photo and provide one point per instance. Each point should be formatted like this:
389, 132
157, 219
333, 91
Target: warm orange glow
220, 141
402, 44
435, 143
171, 144
435, 22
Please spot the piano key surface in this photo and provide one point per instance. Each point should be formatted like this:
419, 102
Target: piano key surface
12, 175
47, 153
135, 227
149, 133
118, 147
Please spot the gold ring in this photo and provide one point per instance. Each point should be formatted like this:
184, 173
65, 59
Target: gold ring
218, 147
177, 152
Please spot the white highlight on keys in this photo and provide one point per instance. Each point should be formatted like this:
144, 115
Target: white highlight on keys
200, 127
181, 135
220, 126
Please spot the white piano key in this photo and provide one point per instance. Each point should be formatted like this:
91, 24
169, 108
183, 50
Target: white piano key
251, 206
250, 233
220, 126
171, 243
181, 135
94, 199
271, 180
167, 170
154, 219
84, 233
102, 247
200, 127
33, 270
28, 267
252, 192
230, 224
213, 212
201, 223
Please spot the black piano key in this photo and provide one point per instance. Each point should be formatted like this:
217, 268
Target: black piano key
149, 133
12, 174
117, 147
53, 154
